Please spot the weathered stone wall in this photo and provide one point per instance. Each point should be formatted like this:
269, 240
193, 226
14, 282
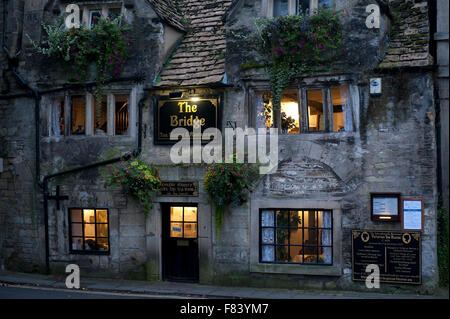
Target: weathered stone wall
21, 244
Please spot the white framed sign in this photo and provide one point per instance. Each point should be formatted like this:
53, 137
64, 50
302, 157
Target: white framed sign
412, 214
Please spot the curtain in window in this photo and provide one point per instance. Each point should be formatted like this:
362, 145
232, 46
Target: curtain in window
325, 3
326, 237
55, 115
260, 119
346, 108
268, 236
280, 8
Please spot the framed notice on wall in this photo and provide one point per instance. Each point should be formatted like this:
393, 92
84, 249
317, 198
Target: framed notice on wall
385, 206
412, 214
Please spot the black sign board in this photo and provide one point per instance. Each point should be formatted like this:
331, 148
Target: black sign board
397, 254
172, 114
179, 189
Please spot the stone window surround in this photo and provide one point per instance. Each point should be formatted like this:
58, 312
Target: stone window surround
90, 113
292, 7
302, 85
296, 269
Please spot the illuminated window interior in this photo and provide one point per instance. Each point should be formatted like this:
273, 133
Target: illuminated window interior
101, 116
183, 222
338, 109
121, 114
89, 230
296, 236
289, 112
78, 115
316, 118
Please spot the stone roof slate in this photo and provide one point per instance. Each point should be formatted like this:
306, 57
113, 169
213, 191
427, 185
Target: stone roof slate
169, 11
200, 57
410, 36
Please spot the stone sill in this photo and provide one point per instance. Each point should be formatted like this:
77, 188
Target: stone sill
334, 270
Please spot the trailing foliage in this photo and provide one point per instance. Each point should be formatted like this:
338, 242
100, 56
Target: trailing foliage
295, 45
443, 249
136, 178
228, 184
106, 44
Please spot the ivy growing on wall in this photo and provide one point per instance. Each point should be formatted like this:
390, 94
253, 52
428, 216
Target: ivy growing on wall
297, 45
106, 45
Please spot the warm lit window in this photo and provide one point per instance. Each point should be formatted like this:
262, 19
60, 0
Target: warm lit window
56, 116
326, 109
78, 115
101, 116
296, 236
121, 114
289, 113
89, 230
316, 116
183, 222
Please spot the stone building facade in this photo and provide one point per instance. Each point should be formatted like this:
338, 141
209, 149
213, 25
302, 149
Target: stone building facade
206, 50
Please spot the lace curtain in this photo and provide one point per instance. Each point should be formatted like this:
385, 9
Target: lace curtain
55, 115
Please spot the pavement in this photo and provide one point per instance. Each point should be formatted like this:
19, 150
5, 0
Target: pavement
177, 290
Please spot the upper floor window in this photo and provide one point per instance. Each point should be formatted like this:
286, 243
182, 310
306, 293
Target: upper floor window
280, 8
81, 115
92, 13
307, 109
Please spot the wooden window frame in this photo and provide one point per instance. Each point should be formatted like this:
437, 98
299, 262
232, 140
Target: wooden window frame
84, 251
303, 108
275, 227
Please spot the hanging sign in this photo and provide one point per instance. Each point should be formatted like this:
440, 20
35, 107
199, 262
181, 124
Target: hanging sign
397, 254
172, 114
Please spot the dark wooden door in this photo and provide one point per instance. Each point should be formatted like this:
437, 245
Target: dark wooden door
180, 242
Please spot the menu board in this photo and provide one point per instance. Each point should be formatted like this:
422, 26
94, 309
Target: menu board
412, 214
397, 254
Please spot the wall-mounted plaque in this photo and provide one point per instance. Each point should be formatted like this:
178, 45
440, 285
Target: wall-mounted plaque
412, 214
385, 207
185, 113
178, 189
397, 254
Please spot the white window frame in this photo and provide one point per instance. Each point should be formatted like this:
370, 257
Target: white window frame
292, 7
103, 8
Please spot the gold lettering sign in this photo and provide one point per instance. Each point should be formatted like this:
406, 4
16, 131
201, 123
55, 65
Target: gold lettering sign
172, 114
